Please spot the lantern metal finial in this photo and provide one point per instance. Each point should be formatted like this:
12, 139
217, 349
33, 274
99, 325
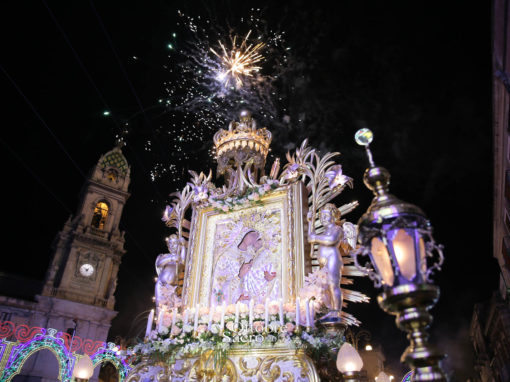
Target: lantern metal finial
377, 179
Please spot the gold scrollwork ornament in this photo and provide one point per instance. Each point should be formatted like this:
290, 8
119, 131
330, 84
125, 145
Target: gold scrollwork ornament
204, 370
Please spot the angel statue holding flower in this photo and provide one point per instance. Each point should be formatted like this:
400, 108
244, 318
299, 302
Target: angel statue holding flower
167, 266
329, 255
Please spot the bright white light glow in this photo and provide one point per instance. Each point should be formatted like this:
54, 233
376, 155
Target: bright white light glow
83, 369
382, 377
348, 359
403, 246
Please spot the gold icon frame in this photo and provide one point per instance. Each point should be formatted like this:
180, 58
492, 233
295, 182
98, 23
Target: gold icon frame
292, 202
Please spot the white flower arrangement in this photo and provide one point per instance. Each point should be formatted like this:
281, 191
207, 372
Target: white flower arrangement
251, 196
181, 340
315, 286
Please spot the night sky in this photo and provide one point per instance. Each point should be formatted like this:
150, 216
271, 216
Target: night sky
418, 75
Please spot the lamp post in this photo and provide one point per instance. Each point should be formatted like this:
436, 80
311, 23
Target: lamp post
83, 369
349, 363
396, 237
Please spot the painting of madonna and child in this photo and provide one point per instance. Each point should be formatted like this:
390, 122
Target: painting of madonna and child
246, 258
243, 255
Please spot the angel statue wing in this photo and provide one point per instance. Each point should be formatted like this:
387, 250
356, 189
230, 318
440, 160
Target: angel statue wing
350, 233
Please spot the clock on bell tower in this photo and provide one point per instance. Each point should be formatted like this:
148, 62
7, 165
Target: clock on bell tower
88, 250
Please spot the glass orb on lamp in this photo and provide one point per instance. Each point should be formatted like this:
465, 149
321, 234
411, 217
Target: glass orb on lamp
83, 369
349, 362
396, 237
382, 377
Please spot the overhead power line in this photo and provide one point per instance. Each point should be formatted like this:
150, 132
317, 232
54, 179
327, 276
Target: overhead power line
34, 175
42, 120
98, 91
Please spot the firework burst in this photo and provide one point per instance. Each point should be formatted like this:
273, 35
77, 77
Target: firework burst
239, 62
211, 76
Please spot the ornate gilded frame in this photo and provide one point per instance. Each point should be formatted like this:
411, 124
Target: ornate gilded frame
296, 263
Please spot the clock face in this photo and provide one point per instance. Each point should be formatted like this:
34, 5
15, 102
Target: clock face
87, 270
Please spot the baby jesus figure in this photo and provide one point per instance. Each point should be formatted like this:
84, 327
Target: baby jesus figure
257, 273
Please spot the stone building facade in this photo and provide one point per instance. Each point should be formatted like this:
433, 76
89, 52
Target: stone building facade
77, 295
373, 361
490, 324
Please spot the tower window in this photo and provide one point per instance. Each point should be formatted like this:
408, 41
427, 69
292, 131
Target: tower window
100, 215
112, 175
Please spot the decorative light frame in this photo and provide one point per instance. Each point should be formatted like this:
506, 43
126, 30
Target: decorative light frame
13, 355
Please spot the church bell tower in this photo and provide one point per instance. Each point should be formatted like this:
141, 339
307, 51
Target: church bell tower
88, 250
78, 291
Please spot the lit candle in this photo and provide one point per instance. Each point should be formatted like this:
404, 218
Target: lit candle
174, 318
298, 308
313, 314
266, 313
195, 326
236, 322
307, 305
211, 310
281, 312
251, 314
160, 319
149, 323
185, 319
223, 307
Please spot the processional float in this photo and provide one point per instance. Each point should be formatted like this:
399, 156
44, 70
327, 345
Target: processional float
253, 285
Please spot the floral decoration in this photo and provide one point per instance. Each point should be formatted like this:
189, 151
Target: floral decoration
336, 177
177, 338
252, 195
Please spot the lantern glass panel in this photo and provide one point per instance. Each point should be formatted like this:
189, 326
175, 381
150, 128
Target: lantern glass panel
403, 247
381, 258
423, 254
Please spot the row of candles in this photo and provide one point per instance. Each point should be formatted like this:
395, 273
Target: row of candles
309, 315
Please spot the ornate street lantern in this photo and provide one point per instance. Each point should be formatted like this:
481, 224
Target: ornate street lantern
382, 377
349, 363
396, 237
83, 369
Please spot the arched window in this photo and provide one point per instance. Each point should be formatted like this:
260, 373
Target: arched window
100, 215
112, 175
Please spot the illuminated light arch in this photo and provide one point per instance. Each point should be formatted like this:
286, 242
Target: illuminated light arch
109, 355
22, 352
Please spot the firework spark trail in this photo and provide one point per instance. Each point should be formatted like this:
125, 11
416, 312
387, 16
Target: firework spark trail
198, 102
